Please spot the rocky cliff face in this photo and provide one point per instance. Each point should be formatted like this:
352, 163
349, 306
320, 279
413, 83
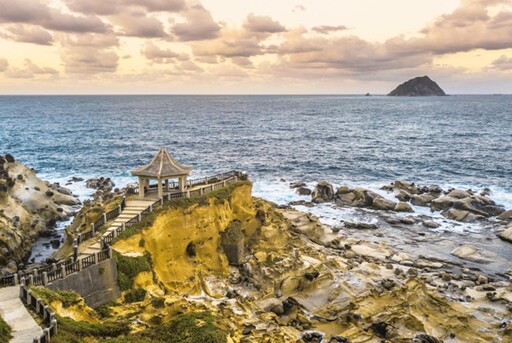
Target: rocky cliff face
419, 86
29, 207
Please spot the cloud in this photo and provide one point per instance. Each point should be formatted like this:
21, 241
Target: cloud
137, 24
326, 29
89, 53
29, 71
33, 12
503, 63
199, 25
3, 64
28, 34
157, 55
262, 24
298, 8
113, 7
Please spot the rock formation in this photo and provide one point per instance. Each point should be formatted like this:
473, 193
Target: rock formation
28, 207
419, 86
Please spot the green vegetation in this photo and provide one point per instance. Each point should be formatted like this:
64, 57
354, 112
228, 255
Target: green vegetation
233, 233
135, 295
105, 310
5, 331
67, 298
158, 302
189, 328
128, 268
71, 331
219, 196
184, 328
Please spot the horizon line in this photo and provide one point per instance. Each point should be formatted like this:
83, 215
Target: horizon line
239, 94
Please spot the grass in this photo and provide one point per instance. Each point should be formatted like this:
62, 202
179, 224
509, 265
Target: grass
5, 331
67, 298
219, 196
195, 327
71, 331
135, 295
128, 268
233, 233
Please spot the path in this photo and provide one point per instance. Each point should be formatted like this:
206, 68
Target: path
133, 208
15, 314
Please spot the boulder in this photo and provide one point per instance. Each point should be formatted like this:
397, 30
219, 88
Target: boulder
362, 226
303, 191
460, 215
383, 204
442, 203
506, 235
459, 194
431, 224
343, 190
507, 215
422, 199
403, 207
470, 253
9, 158
297, 184
410, 188
323, 192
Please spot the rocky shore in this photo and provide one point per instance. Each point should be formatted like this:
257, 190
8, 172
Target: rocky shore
285, 277
29, 207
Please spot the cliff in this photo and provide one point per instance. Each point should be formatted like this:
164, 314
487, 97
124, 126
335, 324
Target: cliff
29, 207
419, 86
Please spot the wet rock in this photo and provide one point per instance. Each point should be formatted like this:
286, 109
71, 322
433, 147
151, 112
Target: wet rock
470, 253
431, 224
413, 272
407, 221
277, 309
383, 204
104, 184
422, 200
248, 329
297, 184
481, 280
312, 337
506, 235
442, 203
323, 192
312, 275
507, 215
459, 194
460, 215
9, 158
424, 338
361, 226
289, 304
338, 339
403, 207
342, 190
303, 191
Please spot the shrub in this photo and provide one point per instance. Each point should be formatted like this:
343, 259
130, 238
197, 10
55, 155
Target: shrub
5, 332
158, 302
71, 331
67, 298
128, 268
135, 295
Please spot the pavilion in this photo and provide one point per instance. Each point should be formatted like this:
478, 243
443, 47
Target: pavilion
161, 168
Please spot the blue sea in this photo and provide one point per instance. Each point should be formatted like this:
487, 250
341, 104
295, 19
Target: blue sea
353, 140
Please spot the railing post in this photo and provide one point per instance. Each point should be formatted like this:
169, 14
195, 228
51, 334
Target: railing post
123, 225
63, 270
223, 183
45, 278
54, 266
109, 252
161, 201
139, 216
79, 264
150, 208
96, 258
104, 218
31, 279
93, 229
114, 233
75, 252
187, 194
15, 276
38, 304
54, 324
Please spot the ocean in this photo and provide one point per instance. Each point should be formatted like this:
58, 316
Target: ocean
461, 141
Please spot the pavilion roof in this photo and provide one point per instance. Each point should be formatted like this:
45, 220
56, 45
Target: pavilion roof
162, 166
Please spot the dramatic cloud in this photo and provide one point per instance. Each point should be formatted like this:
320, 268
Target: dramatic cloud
503, 63
262, 24
3, 64
137, 24
28, 34
157, 55
199, 25
33, 12
326, 29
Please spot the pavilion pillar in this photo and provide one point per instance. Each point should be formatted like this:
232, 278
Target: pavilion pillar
183, 183
160, 190
167, 185
142, 183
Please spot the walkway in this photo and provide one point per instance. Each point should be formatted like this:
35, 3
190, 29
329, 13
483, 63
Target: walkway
15, 314
133, 208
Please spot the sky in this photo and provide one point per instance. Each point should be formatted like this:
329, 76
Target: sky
253, 46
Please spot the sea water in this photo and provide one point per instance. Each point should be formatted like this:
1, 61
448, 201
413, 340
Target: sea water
455, 141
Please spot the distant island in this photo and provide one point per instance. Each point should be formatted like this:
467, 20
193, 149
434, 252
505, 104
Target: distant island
419, 86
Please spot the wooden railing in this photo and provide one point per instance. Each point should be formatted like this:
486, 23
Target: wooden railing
43, 311
52, 272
